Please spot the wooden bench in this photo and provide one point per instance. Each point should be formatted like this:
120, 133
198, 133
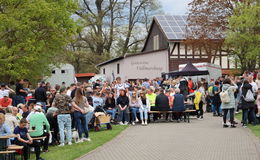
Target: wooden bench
7, 155
186, 112
14, 147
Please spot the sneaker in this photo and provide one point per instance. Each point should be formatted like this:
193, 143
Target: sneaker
136, 120
244, 126
61, 145
69, 143
142, 122
145, 123
133, 123
225, 125
126, 123
121, 123
80, 141
88, 139
233, 126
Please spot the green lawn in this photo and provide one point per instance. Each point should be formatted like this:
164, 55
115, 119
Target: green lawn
76, 150
254, 129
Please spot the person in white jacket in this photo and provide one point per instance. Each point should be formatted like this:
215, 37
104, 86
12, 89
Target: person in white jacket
145, 108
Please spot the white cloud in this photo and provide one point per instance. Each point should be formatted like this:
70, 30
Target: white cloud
175, 7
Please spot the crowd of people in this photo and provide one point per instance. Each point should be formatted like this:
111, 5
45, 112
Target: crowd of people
30, 113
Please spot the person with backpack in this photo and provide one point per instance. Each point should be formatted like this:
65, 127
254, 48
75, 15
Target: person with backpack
248, 103
228, 101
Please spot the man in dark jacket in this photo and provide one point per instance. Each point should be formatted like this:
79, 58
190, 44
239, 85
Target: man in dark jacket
162, 101
41, 96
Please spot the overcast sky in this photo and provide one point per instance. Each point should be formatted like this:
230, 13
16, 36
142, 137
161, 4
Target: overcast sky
175, 7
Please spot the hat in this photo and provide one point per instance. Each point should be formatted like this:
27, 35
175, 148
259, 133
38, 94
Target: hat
39, 104
5, 94
38, 108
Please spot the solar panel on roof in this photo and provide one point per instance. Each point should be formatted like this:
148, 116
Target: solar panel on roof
167, 29
174, 27
171, 36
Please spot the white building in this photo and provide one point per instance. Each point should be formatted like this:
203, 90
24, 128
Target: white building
164, 50
65, 73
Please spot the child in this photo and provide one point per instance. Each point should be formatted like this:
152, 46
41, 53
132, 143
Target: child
25, 140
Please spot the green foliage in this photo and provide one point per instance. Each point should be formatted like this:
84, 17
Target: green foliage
76, 150
243, 35
33, 34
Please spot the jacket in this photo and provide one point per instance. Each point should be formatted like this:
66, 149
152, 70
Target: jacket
231, 93
40, 94
178, 103
162, 101
245, 104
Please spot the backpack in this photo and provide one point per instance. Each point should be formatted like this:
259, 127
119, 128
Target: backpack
249, 96
210, 91
224, 96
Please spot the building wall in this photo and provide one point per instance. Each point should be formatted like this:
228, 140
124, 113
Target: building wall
155, 30
181, 55
57, 77
149, 65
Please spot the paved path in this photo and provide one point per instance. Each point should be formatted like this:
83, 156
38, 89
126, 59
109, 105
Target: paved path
198, 140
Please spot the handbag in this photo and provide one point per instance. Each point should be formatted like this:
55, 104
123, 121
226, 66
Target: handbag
89, 109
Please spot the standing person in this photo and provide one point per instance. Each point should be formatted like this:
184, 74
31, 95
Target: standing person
257, 81
191, 85
80, 102
24, 139
151, 97
145, 108
216, 101
229, 105
119, 86
248, 103
72, 87
123, 106
183, 87
63, 103
20, 93
198, 101
134, 105
110, 106
41, 96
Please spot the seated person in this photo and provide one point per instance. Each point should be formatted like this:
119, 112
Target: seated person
110, 106
162, 101
25, 140
5, 101
10, 118
38, 123
4, 128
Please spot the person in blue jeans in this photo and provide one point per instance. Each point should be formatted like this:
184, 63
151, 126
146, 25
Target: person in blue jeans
110, 106
63, 104
80, 102
134, 105
144, 109
123, 106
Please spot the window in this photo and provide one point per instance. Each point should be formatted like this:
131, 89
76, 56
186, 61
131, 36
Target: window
156, 42
104, 71
53, 72
118, 68
62, 71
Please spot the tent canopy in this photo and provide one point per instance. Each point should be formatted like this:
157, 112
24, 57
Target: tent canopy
188, 70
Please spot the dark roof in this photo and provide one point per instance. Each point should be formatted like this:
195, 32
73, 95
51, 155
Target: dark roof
111, 60
173, 27
189, 68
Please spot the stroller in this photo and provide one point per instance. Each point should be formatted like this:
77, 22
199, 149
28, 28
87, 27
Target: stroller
100, 117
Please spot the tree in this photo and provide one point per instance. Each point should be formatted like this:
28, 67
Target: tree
33, 36
206, 24
243, 35
107, 23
